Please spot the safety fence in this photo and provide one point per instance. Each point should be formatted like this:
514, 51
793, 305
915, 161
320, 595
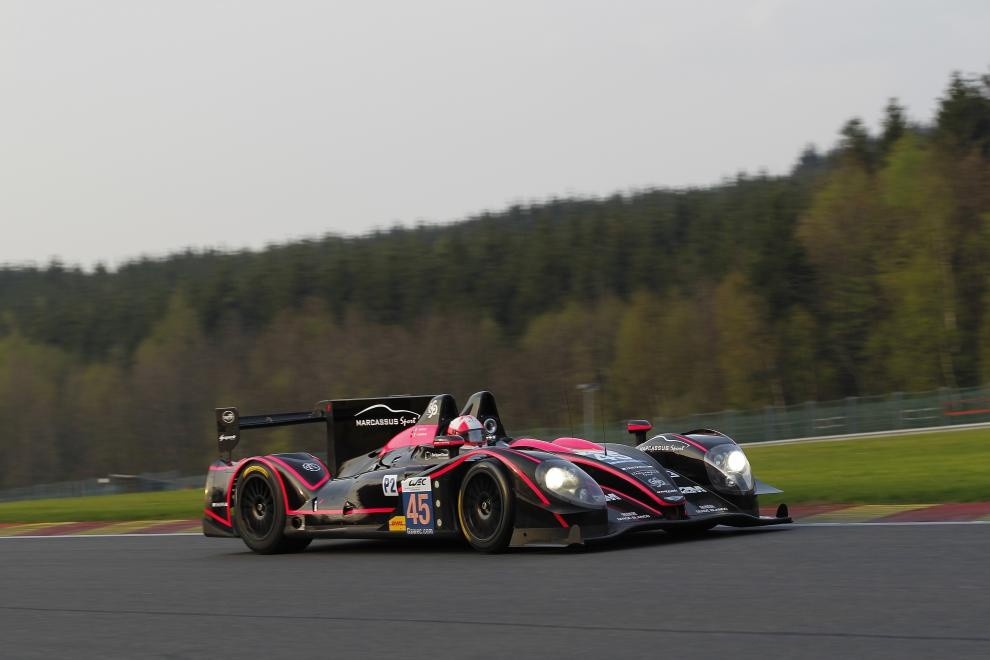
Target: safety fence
849, 416
108, 485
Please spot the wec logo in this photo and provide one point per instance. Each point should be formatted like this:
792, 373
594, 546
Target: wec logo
416, 485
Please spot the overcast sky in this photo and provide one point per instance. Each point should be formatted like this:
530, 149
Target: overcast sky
131, 128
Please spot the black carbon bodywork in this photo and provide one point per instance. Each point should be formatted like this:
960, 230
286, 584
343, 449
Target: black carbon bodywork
412, 486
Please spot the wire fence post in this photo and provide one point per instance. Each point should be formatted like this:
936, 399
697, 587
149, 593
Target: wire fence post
852, 418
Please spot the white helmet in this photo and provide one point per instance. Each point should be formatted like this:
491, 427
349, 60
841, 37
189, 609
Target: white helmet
467, 427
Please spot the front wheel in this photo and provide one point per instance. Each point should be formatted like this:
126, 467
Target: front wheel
486, 507
259, 512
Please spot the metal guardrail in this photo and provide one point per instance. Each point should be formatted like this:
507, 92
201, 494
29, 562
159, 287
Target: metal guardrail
850, 416
108, 485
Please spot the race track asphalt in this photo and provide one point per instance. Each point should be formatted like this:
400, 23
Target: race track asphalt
882, 591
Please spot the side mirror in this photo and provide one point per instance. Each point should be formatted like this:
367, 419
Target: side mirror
451, 442
638, 427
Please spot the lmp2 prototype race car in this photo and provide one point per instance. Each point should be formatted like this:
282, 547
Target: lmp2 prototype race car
412, 466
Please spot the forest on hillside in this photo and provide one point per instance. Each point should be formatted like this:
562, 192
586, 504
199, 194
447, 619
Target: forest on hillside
863, 271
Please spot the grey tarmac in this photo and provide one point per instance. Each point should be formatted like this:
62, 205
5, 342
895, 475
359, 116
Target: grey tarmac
904, 591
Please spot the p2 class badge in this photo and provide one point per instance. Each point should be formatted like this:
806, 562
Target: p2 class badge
390, 483
417, 505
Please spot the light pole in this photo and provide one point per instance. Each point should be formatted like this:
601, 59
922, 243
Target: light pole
589, 390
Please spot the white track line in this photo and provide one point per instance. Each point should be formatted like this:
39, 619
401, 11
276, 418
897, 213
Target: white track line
906, 523
930, 523
868, 436
96, 536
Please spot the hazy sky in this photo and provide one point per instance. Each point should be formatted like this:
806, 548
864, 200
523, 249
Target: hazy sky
133, 127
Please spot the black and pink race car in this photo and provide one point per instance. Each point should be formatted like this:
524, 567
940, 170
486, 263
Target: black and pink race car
416, 466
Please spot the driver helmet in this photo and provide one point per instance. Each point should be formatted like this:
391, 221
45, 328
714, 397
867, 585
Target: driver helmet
467, 427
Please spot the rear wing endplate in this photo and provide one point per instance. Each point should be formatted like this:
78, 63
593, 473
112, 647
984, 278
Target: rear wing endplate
230, 423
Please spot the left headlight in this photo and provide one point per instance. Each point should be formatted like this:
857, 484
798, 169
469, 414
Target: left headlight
570, 483
728, 468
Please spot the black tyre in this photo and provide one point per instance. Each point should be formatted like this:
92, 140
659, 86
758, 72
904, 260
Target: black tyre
486, 507
259, 513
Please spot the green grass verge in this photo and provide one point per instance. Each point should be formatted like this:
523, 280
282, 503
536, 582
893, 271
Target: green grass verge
929, 468
163, 505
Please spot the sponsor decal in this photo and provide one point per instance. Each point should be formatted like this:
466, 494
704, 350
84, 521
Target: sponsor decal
688, 490
228, 437
256, 468
433, 409
612, 497
711, 508
217, 505
386, 421
663, 443
417, 502
227, 416
390, 485
666, 447
631, 515
397, 524
311, 467
416, 485
392, 417
611, 458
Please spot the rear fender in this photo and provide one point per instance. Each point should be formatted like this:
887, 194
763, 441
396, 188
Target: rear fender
298, 475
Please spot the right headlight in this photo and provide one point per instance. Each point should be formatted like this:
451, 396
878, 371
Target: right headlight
570, 483
728, 468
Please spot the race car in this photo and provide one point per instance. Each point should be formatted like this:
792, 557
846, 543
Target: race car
416, 467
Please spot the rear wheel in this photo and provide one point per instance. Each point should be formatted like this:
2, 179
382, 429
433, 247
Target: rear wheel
259, 512
486, 507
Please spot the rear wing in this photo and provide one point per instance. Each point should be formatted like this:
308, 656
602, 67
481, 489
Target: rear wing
230, 423
353, 426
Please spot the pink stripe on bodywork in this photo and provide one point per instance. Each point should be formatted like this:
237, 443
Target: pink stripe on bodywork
578, 443
633, 500
623, 476
287, 466
691, 442
339, 512
218, 518
541, 445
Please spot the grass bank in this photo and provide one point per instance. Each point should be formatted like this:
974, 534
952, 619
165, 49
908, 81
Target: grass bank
952, 466
162, 505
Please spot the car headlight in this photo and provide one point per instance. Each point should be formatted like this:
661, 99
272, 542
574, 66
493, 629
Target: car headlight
728, 468
570, 483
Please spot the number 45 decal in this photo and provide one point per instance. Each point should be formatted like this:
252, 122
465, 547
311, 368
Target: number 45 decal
417, 502
418, 511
